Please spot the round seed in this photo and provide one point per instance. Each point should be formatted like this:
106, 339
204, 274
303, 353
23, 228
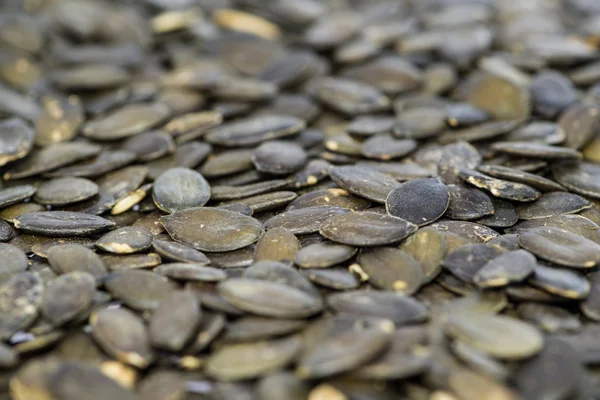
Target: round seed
406, 201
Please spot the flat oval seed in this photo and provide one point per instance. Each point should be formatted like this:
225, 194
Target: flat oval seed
175, 321
501, 98
190, 272
536, 150
123, 335
52, 157
212, 229
304, 220
582, 178
590, 307
498, 336
269, 298
68, 297
16, 140
580, 121
20, 299
126, 240
249, 328
366, 229
397, 307
254, 130
386, 147
515, 175
251, 360
14, 261
66, 258
350, 96
390, 268
174, 251
264, 202
514, 266
15, 194
149, 146
555, 372
573, 223
551, 204
277, 244
60, 120
561, 247
75, 380
180, 188
372, 185
62, 191
561, 282
337, 278
549, 318
62, 223
466, 261
331, 357
406, 201
500, 188
334, 197
468, 203
127, 121
323, 255
138, 289
428, 248
282, 273
279, 157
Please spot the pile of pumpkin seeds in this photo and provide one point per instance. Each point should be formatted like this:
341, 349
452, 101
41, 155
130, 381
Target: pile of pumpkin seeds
299, 199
